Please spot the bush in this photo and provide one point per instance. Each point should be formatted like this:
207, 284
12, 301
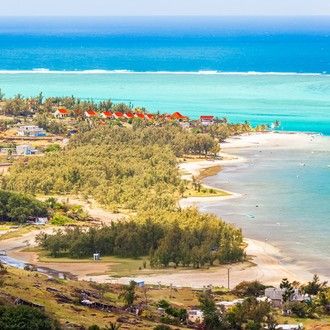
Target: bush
162, 327
25, 318
59, 219
249, 289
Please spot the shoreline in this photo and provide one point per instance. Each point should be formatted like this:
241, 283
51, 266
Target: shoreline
252, 140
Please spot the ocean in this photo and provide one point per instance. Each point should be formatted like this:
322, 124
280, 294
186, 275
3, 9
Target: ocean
285, 200
254, 69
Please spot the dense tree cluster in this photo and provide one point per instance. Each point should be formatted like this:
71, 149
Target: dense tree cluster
198, 241
25, 317
19, 208
120, 167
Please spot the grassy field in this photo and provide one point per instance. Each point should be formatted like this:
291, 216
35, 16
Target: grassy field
38, 289
61, 298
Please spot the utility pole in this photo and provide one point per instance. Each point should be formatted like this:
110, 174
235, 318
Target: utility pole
228, 278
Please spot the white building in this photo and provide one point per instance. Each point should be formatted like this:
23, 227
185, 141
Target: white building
31, 131
276, 296
25, 150
290, 326
206, 120
195, 316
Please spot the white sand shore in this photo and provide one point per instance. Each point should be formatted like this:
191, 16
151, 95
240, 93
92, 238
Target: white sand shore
264, 266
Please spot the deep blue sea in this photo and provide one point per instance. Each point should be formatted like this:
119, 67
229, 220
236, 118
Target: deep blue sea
167, 44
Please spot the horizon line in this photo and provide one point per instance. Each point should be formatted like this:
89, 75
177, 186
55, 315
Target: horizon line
166, 15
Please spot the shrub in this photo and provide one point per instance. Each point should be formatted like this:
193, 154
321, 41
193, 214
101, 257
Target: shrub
59, 219
25, 317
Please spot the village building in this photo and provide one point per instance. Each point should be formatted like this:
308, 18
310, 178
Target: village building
228, 304
129, 115
118, 115
195, 316
206, 120
149, 116
31, 131
275, 295
139, 115
178, 116
61, 113
106, 114
91, 114
289, 326
25, 150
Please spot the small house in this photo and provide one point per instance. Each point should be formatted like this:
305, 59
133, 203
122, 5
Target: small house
206, 120
106, 115
91, 114
289, 326
275, 295
61, 113
139, 283
149, 116
195, 316
228, 304
31, 131
118, 115
129, 115
38, 221
25, 150
139, 115
178, 116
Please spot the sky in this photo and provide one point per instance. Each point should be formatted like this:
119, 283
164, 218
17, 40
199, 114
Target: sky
164, 7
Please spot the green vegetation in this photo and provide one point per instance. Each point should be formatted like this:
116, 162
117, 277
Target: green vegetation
19, 208
25, 318
128, 294
135, 169
197, 241
249, 289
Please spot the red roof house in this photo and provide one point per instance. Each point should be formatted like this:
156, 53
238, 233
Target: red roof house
90, 113
148, 116
61, 113
139, 115
118, 115
178, 116
129, 115
106, 114
206, 120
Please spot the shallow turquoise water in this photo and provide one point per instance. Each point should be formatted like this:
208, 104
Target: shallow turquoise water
300, 102
285, 201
